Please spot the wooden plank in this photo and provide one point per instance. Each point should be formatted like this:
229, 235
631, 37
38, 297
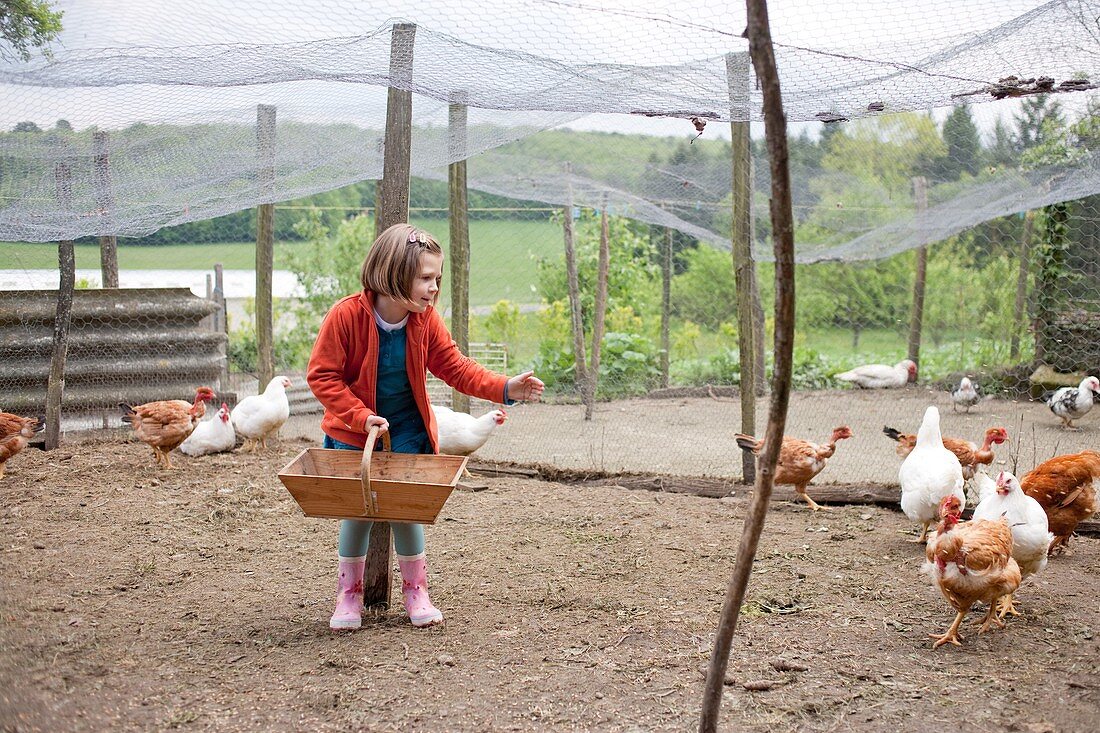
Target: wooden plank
66, 257
458, 208
105, 201
888, 497
265, 245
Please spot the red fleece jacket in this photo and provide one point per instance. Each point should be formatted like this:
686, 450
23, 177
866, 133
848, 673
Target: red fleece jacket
343, 367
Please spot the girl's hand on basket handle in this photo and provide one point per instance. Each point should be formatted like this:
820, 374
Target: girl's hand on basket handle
382, 423
524, 386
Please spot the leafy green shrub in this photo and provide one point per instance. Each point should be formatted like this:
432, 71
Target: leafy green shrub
502, 323
628, 365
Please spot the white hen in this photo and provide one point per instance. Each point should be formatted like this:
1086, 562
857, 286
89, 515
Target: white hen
461, 434
259, 417
1072, 403
880, 376
929, 474
965, 395
1026, 518
215, 435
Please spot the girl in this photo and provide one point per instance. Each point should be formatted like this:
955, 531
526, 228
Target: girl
368, 368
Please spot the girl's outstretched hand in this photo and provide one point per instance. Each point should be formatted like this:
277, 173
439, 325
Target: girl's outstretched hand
525, 386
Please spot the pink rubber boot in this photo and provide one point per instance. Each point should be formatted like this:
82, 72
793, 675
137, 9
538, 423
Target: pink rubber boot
349, 596
414, 586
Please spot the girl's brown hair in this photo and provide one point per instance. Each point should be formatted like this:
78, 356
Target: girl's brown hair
393, 261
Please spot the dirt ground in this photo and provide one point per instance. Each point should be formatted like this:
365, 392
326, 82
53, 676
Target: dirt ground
133, 598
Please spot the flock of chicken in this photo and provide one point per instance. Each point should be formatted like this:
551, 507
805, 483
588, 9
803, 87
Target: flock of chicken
1017, 523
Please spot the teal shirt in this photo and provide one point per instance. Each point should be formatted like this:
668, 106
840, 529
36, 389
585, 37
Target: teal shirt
394, 395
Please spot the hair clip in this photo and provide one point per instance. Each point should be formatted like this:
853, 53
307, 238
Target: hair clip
412, 236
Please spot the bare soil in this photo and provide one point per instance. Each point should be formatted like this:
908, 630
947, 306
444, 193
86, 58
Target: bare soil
133, 598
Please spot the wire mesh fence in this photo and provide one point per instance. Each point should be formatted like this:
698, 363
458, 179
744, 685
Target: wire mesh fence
983, 212
1010, 304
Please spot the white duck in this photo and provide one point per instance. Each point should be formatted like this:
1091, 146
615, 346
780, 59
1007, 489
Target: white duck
1072, 403
929, 474
215, 435
259, 417
1026, 518
880, 376
965, 395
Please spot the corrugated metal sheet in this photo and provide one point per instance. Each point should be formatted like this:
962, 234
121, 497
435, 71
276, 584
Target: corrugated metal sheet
125, 345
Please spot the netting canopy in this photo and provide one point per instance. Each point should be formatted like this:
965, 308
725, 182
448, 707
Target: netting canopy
176, 85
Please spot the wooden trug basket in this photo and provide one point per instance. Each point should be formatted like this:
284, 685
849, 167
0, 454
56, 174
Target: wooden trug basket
372, 485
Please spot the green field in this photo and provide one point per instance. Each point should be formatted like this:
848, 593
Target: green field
502, 256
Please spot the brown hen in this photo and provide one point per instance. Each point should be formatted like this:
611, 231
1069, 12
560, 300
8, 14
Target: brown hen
15, 433
164, 424
1065, 486
970, 455
799, 460
970, 562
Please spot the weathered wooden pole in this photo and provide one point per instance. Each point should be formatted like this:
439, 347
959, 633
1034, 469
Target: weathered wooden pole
459, 212
393, 208
105, 201
66, 260
600, 310
916, 316
1019, 310
737, 77
580, 372
666, 302
775, 125
759, 332
221, 324
265, 245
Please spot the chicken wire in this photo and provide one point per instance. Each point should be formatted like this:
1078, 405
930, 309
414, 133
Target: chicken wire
180, 120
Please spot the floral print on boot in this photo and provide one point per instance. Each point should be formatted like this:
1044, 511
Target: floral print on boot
349, 595
414, 586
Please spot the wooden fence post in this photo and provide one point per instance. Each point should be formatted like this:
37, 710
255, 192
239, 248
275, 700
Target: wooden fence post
393, 208
221, 322
265, 245
458, 208
916, 317
601, 311
737, 77
1019, 309
580, 372
66, 258
666, 301
105, 200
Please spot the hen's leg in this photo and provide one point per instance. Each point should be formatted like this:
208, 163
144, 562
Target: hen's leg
952, 634
813, 504
1006, 607
167, 460
923, 534
990, 618
2, 469
1058, 546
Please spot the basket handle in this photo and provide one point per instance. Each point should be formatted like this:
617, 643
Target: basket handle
364, 475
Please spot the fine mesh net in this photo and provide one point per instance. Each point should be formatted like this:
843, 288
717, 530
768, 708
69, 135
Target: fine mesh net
913, 124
